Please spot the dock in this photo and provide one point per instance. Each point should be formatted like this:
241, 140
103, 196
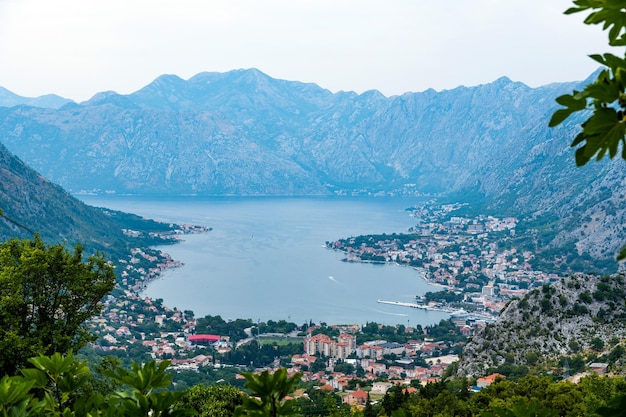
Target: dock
422, 306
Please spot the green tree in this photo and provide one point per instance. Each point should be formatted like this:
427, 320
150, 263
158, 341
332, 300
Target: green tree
616, 353
597, 344
369, 410
46, 295
314, 403
212, 401
335, 407
522, 408
344, 367
318, 365
269, 392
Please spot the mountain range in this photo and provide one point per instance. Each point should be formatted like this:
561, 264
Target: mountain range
245, 133
9, 99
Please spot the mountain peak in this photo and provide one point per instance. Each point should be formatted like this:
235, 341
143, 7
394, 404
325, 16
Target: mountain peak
250, 77
503, 80
109, 97
167, 82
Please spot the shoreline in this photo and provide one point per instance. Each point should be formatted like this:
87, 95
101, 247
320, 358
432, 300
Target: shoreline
420, 270
160, 263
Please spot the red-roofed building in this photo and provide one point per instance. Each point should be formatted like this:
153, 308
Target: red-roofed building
358, 397
488, 380
323, 344
410, 390
202, 339
327, 387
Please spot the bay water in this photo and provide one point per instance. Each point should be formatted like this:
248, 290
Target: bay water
265, 258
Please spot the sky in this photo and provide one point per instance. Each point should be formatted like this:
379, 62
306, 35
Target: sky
77, 48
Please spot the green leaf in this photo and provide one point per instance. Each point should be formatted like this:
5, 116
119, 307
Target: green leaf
581, 158
598, 58
14, 390
559, 116
578, 139
37, 377
573, 10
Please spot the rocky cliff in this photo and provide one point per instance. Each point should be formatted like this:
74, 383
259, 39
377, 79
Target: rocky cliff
559, 319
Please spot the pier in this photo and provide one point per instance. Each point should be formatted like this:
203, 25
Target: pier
422, 306
452, 311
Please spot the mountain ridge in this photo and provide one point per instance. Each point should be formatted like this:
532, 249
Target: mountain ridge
245, 133
10, 99
30, 203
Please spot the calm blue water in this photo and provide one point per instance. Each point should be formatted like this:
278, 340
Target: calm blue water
264, 259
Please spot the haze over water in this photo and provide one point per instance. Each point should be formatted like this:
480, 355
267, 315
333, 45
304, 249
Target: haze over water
265, 260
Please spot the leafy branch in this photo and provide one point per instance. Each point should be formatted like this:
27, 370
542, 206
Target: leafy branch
605, 98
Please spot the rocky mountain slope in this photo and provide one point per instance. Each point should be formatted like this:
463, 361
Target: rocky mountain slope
245, 133
559, 319
31, 203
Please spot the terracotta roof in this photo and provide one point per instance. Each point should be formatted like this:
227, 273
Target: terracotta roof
359, 394
491, 378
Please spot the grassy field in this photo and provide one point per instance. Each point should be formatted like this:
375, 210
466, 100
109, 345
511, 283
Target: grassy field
278, 340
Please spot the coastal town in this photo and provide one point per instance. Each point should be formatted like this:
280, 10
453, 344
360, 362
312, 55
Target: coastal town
465, 256
462, 254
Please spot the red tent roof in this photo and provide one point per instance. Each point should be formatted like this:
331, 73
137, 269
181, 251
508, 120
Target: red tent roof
203, 338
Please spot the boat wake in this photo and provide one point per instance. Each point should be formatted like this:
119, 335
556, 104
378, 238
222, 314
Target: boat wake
341, 284
391, 314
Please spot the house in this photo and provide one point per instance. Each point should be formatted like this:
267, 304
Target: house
466, 331
409, 390
598, 367
381, 387
395, 371
427, 381
358, 397
488, 380
327, 388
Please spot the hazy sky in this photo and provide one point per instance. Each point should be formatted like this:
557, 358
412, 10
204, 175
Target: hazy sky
76, 48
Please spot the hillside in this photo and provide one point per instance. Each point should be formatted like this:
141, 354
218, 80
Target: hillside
245, 133
556, 320
31, 203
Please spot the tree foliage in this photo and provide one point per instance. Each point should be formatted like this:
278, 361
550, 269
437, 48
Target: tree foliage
212, 401
46, 295
605, 98
48, 388
269, 392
